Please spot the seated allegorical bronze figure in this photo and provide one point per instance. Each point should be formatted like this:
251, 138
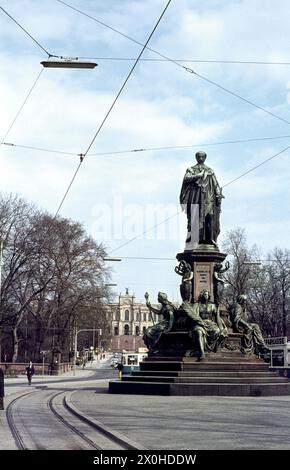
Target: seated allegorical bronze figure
252, 340
206, 327
153, 334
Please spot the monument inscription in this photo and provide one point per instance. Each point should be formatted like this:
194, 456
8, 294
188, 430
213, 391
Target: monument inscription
202, 278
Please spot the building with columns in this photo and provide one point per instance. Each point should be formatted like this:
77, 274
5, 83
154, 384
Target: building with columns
128, 319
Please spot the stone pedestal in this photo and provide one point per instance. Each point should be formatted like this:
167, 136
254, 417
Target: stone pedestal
226, 373
202, 261
180, 344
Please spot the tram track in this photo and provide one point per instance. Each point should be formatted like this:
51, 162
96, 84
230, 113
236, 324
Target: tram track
11, 423
66, 423
26, 418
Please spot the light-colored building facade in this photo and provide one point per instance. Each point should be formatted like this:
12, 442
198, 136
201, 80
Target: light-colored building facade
128, 319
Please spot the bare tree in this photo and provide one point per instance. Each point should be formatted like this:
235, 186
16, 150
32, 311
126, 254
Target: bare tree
52, 274
239, 275
79, 274
266, 283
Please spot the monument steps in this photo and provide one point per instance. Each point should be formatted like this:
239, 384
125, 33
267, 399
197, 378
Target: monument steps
206, 379
203, 365
203, 373
201, 389
209, 356
187, 376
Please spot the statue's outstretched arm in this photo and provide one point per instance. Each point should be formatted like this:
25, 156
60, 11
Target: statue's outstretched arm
155, 310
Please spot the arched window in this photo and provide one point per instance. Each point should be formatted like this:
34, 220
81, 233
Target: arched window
126, 330
138, 316
144, 317
116, 331
137, 331
127, 313
144, 329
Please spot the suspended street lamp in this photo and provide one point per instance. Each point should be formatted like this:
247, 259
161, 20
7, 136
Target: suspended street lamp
68, 63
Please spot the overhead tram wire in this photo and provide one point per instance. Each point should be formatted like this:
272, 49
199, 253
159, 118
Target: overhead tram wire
21, 107
143, 233
211, 82
37, 78
177, 213
257, 166
188, 69
28, 34
40, 149
82, 156
195, 61
176, 147
68, 62
122, 34
149, 149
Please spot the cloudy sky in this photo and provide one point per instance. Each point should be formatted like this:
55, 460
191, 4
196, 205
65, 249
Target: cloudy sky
120, 195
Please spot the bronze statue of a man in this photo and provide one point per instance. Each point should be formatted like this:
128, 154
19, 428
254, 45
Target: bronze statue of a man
201, 198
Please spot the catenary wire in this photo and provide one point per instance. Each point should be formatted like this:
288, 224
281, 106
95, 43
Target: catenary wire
257, 166
188, 69
143, 233
21, 107
26, 32
177, 213
127, 78
149, 149
41, 149
172, 147
123, 34
174, 259
68, 188
198, 61
241, 98
112, 105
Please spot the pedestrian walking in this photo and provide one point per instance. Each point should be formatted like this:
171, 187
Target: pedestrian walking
30, 372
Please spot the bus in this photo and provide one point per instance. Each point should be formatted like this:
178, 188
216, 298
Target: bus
278, 356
